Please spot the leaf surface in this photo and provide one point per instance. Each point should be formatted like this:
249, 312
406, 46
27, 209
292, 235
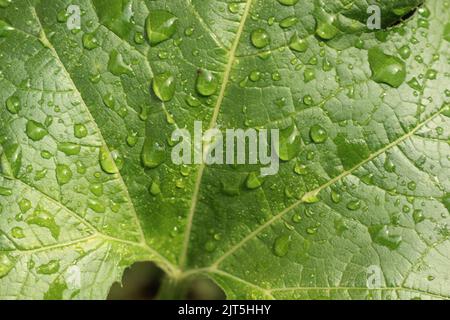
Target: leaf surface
359, 208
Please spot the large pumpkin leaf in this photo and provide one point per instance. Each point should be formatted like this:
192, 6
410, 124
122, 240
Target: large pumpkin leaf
358, 209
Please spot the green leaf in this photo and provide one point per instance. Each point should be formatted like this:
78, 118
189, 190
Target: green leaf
358, 209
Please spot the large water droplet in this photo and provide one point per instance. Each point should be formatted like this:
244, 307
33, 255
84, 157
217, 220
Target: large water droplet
260, 38
96, 205
153, 154
49, 268
288, 2
160, 25
17, 233
116, 64
386, 69
298, 44
281, 245
290, 143
326, 30
80, 131
382, 235
63, 174
13, 105
107, 161
288, 22
253, 181
90, 42
5, 3
69, 148
318, 134
164, 86
5, 28
35, 130
207, 83
44, 219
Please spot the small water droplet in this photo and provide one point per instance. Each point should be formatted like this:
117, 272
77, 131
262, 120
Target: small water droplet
164, 86
354, 205
260, 38
318, 134
153, 154
281, 245
63, 174
17, 233
207, 83
288, 22
253, 181
116, 64
90, 42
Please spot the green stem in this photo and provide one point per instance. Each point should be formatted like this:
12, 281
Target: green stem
172, 289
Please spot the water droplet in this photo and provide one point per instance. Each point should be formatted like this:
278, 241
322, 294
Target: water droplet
35, 130
335, 197
132, 139
233, 7
44, 219
318, 134
96, 189
5, 28
164, 86
255, 76
288, 22
107, 161
5, 3
49, 268
6, 264
139, 38
161, 25
13, 105
382, 235
281, 245
80, 131
253, 181
325, 29
309, 74
155, 189
24, 205
446, 32
17, 233
310, 198
90, 42
300, 169
389, 166
354, 205
116, 64
96, 205
210, 246
192, 101
63, 174
288, 2
207, 83
431, 74
153, 154
405, 52
260, 38
386, 69
418, 216
69, 148
290, 143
